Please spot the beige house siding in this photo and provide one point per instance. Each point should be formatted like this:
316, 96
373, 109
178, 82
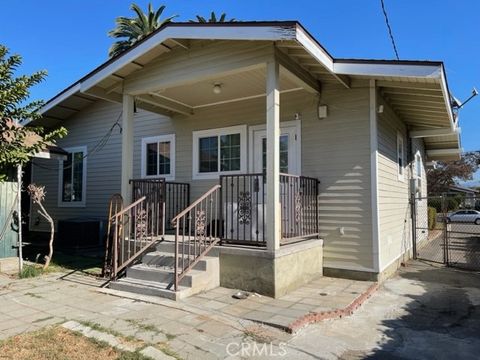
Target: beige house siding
334, 149
395, 228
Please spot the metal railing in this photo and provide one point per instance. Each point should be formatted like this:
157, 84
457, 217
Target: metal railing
196, 232
134, 231
154, 192
177, 198
299, 204
243, 202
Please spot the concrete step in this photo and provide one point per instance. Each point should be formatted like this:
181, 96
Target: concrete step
169, 247
167, 259
164, 274
151, 288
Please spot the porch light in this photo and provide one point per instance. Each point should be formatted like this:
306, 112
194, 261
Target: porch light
217, 88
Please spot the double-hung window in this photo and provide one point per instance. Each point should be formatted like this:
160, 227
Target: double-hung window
158, 157
73, 178
219, 151
400, 157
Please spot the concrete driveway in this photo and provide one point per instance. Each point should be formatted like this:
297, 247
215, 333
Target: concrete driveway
425, 312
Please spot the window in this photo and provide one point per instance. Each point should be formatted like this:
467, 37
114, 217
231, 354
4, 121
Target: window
158, 157
72, 178
418, 165
283, 154
219, 151
400, 157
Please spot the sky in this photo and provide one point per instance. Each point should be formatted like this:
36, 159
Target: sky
68, 38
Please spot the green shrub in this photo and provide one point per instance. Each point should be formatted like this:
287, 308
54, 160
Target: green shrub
432, 218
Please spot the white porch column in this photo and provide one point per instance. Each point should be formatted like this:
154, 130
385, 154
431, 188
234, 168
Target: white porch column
127, 147
273, 217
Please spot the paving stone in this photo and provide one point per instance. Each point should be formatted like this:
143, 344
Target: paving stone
215, 305
155, 354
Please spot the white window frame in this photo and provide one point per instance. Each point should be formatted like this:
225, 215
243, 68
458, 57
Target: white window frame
157, 139
400, 141
288, 127
82, 203
240, 129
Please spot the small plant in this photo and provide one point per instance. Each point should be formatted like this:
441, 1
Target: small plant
432, 218
30, 271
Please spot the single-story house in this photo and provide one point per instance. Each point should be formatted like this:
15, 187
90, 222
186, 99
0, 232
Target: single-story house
470, 196
302, 163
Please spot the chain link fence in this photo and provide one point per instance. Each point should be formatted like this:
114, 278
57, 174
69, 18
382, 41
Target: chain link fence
447, 230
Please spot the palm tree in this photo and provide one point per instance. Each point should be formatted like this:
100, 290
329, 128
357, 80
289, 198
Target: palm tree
213, 19
131, 30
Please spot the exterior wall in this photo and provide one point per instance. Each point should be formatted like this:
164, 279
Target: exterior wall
103, 167
395, 233
335, 150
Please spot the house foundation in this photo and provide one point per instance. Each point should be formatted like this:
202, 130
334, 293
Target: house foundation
271, 274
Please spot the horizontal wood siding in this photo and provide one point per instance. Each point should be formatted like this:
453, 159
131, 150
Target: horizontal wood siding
103, 167
394, 207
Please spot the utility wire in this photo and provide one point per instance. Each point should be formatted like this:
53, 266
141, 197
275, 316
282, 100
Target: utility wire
98, 146
392, 39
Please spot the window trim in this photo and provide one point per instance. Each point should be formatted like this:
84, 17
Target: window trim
196, 135
157, 139
73, 204
401, 176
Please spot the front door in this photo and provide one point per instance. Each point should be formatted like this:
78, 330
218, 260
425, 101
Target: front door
289, 150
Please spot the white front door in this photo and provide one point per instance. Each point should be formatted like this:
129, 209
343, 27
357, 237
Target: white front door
289, 150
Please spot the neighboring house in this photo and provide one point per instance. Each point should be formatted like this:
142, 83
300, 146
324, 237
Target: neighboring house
470, 196
198, 101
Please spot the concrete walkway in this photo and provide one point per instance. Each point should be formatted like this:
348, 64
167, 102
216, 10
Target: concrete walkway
425, 312
322, 295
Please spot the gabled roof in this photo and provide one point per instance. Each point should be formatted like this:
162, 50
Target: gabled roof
418, 90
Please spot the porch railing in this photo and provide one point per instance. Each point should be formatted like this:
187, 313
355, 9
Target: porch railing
243, 202
170, 197
299, 206
196, 232
134, 230
154, 192
177, 198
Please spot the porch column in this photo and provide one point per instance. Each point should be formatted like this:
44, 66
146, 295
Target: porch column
127, 147
273, 216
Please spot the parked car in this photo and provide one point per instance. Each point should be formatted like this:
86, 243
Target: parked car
468, 216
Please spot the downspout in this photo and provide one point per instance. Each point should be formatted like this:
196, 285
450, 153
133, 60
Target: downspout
413, 210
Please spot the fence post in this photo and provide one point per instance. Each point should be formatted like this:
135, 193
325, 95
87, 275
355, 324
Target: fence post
445, 229
413, 210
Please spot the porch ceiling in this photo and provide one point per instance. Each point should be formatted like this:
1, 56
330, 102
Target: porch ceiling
235, 87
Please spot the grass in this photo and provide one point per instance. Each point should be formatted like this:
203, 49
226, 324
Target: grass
57, 343
150, 328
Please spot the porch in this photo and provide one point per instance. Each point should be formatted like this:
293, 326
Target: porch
227, 222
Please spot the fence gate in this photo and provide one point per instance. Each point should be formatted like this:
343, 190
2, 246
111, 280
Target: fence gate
447, 230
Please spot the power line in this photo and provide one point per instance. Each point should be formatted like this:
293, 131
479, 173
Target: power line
96, 148
389, 30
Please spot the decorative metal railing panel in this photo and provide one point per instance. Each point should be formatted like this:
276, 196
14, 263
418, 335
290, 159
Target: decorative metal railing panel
299, 204
134, 231
154, 192
243, 201
196, 232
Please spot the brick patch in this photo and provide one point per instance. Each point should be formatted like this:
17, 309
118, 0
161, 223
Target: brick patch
314, 317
